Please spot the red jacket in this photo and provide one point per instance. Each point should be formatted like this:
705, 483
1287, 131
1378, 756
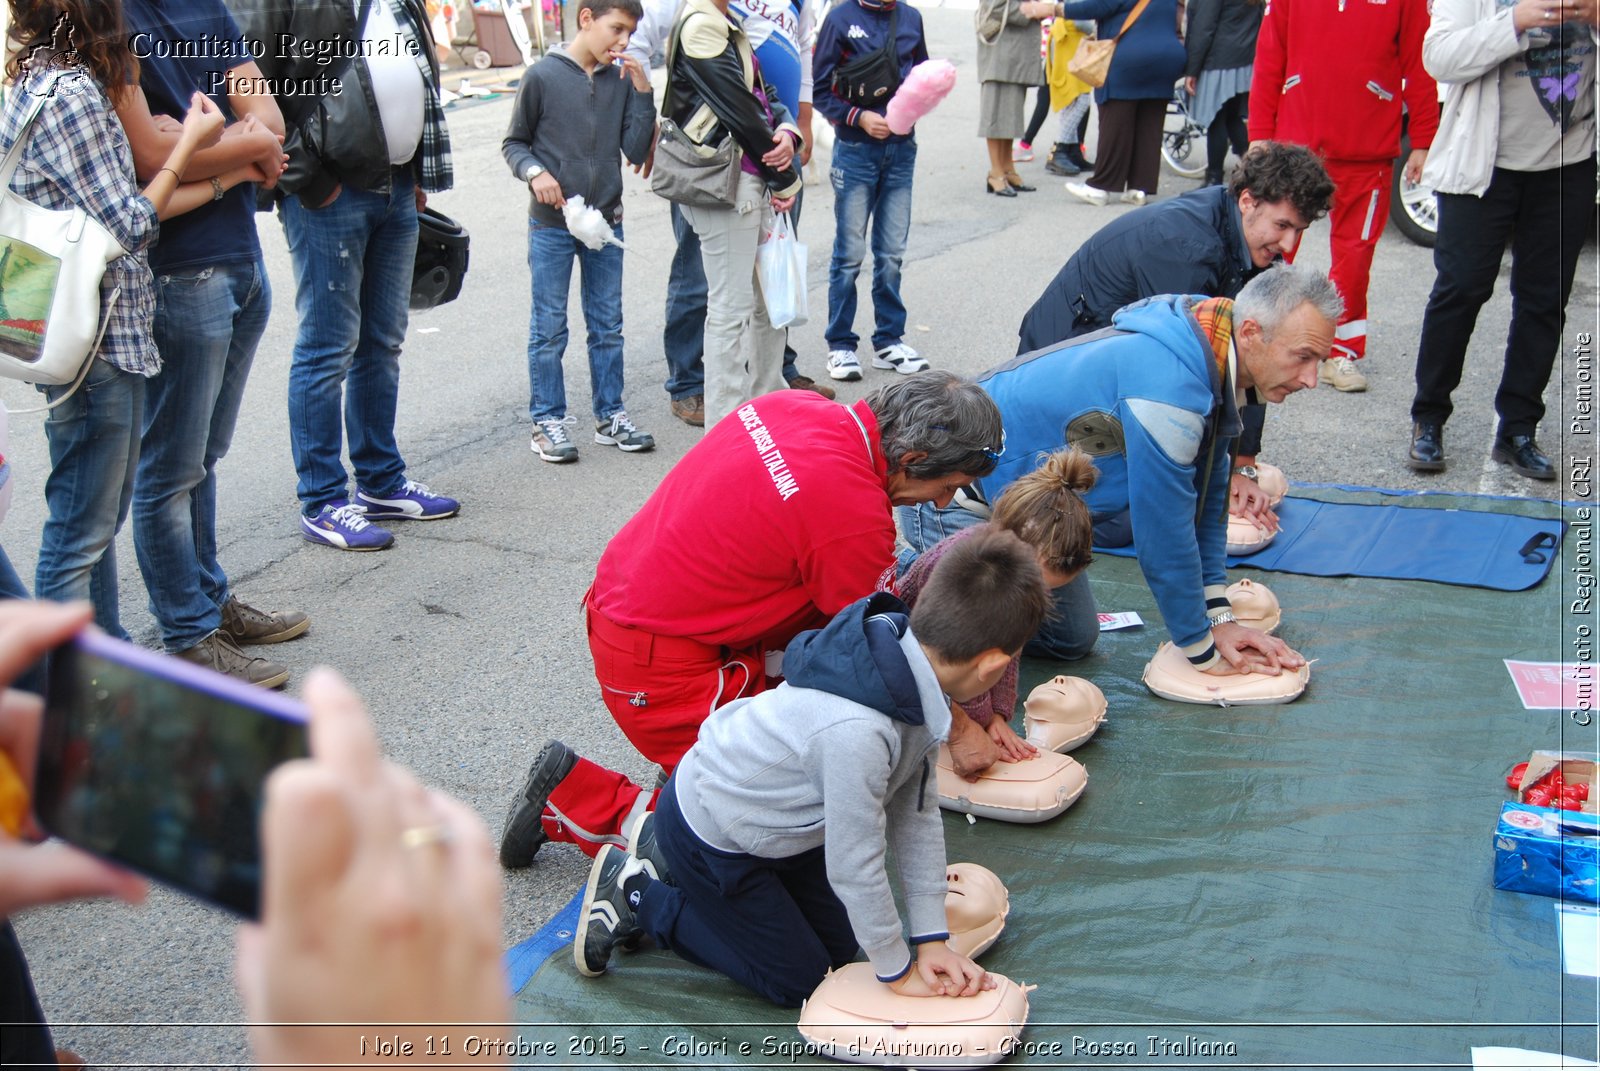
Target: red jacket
1329, 75
771, 524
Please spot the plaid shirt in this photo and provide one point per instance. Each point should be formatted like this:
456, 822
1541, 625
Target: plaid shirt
78, 156
434, 155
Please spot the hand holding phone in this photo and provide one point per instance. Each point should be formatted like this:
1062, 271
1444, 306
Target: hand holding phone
158, 765
381, 903
35, 874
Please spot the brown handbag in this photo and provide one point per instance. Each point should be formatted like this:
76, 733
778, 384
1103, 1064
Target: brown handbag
1092, 61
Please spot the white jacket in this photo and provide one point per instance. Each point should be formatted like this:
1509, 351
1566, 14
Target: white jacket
1463, 49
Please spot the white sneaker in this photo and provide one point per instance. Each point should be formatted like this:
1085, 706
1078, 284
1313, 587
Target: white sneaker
1087, 193
842, 364
1342, 374
901, 358
1133, 197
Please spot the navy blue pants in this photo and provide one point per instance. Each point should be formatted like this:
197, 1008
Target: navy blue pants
772, 925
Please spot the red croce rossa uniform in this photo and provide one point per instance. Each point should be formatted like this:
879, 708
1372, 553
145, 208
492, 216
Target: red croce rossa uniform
775, 521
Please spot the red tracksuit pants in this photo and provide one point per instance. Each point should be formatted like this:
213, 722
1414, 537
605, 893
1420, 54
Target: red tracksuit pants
659, 689
1360, 212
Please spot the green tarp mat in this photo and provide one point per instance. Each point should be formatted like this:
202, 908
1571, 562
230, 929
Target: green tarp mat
1310, 883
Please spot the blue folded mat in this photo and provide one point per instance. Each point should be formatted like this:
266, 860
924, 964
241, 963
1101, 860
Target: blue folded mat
1501, 551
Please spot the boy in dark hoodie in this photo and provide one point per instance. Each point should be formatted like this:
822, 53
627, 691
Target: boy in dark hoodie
578, 112
734, 871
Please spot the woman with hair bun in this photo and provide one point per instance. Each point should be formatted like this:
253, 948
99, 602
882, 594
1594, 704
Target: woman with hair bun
1045, 509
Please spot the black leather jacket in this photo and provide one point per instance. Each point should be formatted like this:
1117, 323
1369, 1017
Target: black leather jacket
711, 91
333, 137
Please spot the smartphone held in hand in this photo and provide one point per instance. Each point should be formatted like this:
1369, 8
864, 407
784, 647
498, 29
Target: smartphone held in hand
160, 766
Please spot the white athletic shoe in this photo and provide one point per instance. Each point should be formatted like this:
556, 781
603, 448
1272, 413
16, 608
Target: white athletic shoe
901, 358
842, 364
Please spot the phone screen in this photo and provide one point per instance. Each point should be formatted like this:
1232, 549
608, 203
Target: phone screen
159, 765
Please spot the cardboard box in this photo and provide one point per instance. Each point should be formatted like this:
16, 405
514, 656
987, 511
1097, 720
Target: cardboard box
1547, 851
1575, 766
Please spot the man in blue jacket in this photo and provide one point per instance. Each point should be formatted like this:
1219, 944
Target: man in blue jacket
1155, 402
1211, 241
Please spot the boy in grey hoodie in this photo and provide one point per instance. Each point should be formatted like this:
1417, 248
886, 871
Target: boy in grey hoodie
578, 112
765, 856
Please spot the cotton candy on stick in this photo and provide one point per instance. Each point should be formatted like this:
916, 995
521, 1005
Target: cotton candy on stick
925, 86
587, 225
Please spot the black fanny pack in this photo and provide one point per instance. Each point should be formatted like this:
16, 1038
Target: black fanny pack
869, 81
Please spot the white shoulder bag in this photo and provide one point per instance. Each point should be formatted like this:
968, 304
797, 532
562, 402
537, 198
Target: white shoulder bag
51, 264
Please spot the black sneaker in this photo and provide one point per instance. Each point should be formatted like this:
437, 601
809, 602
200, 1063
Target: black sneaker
643, 847
605, 918
524, 832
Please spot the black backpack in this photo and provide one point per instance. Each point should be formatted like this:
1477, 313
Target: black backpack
868, 81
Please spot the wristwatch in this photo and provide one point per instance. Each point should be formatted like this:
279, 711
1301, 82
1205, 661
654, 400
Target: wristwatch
1224, 618
216, 188
534, 171
1249, 472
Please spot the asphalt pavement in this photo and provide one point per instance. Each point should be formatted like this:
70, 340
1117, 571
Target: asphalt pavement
466, 637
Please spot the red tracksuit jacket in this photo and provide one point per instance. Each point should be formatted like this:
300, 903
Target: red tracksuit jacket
1329, 75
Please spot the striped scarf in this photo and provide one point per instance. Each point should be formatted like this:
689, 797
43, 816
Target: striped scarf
1215, 317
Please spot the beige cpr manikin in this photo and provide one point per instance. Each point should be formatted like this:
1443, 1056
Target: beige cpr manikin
1171, 676
975, 906
1255, 605
1245, 536
1270, 478
854, 1017
1033, 790
1063, 713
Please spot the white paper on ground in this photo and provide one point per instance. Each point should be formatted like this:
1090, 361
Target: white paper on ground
1497, 1058
1112, 622
1580, 939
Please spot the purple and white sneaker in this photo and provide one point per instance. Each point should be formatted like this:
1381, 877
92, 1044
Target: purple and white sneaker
344, 526
413, 502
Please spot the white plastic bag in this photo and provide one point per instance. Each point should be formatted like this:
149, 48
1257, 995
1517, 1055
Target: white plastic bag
781, 266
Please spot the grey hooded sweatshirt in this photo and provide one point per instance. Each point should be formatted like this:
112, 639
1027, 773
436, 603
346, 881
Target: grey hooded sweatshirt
840, 755
578, 127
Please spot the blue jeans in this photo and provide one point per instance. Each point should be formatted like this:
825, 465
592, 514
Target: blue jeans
551, 251
871, 184
208, 323
94, 450
1072, 628
684, 336
353, 262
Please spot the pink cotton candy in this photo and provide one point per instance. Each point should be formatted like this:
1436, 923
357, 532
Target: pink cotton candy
928, 83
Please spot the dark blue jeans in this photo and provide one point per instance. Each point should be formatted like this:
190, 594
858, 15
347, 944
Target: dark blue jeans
208, 323
551, 252
774, 926
353, 262
683, 338
1545, 215
871, 187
